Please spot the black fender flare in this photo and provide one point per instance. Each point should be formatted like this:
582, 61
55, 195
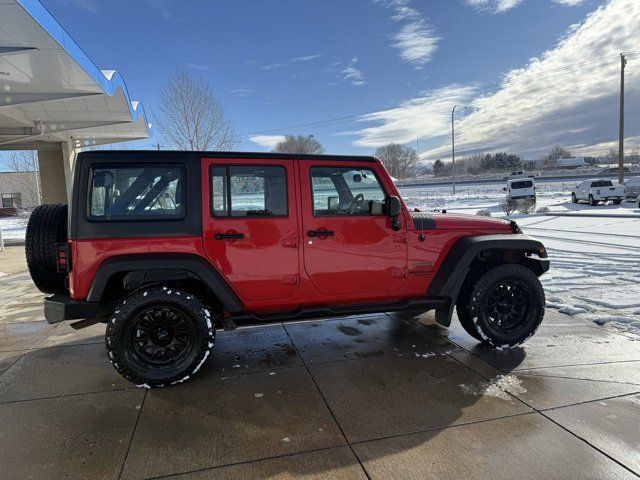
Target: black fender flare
160, 266
454, 269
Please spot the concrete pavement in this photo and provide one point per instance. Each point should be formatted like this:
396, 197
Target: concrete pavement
374, 396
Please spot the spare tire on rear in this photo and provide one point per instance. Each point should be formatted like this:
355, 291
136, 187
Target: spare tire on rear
47, 226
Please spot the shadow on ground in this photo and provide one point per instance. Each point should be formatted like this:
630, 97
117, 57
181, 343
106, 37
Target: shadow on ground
381, 394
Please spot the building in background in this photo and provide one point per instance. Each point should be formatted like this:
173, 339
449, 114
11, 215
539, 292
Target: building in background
55, 100
18, 191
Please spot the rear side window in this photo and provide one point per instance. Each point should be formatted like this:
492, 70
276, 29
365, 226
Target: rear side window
602, 183
523, 184
249, 191
136, 192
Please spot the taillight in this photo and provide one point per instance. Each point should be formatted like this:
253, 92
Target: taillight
63, 257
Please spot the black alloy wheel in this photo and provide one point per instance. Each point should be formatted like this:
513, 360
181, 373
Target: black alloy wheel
506, 305
160, 336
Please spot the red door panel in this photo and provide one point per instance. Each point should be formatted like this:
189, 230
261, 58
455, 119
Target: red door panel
349, 254
251, 235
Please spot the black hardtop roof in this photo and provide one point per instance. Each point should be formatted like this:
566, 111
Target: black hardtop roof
165, 155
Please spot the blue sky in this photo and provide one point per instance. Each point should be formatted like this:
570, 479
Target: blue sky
282, 63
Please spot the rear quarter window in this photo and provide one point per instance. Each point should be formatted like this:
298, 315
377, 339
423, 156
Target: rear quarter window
136, 192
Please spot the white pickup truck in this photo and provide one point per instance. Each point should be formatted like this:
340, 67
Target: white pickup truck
598, 190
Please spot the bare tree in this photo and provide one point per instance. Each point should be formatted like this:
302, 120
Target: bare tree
550, 160
397, 159
299, 144
24, 164
192, 116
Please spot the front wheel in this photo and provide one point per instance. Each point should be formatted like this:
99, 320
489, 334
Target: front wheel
159, 336
507, 305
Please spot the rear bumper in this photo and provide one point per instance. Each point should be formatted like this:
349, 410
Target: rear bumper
60, 307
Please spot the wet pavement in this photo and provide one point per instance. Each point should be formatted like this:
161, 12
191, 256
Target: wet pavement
372, 396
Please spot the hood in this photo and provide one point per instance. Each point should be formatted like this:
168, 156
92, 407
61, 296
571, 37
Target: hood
454, 221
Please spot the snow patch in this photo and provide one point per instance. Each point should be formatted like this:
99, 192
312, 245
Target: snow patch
568, 310
496, 387
425, 355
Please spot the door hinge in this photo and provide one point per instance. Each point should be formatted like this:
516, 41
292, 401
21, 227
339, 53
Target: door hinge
399, 273
290, 280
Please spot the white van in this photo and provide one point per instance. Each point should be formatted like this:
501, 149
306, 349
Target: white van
521, 189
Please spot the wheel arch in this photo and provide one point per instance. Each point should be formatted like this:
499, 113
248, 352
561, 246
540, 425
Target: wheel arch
470, 254
130, 272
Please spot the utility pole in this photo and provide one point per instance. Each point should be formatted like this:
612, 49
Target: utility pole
623, 64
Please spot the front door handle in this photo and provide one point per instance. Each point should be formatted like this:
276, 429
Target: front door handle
320, 233
229, 236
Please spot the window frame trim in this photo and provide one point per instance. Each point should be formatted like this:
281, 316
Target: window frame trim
149, 218
338, 215
227, 167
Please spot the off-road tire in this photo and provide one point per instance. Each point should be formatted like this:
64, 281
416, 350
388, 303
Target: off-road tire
462, 310
574, 199
47, 226
522, 281
123, 336
592, 202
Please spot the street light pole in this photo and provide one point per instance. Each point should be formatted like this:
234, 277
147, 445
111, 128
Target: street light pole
453, 147
453, 150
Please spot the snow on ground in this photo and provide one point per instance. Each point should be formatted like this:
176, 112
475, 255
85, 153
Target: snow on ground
13, 228
595, 261
595, 269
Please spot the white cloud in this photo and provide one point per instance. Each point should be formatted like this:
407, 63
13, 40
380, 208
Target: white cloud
501, 6
267, 141
416, 40
243, 91
427, 115
352, 74
569, 3
495, 6
290, 62
567, 96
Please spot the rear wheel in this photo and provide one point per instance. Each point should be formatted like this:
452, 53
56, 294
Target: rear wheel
47, 226
159, 336
507, 305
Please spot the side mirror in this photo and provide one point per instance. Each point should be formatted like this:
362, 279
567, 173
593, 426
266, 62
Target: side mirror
393, 206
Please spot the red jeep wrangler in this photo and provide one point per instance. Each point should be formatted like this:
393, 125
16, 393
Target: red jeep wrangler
165, 247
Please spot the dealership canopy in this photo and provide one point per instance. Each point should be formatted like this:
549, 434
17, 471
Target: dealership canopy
51, 93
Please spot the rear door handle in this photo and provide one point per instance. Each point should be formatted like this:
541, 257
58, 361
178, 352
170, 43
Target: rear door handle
229, 236
320, 233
